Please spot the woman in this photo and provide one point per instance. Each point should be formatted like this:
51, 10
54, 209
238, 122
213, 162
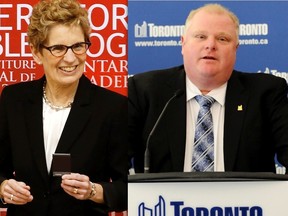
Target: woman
62, 113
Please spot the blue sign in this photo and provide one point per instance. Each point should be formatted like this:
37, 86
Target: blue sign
155, 28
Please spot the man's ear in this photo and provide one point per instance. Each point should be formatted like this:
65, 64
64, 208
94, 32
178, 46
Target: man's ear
182, 40
182, 43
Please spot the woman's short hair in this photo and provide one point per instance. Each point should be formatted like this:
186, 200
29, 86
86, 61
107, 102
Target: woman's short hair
49, 13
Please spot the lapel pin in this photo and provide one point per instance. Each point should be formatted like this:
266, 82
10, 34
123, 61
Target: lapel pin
240, 108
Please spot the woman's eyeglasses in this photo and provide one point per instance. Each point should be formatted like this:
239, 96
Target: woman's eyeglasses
60, 50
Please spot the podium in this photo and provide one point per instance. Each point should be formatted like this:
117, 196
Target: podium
208, 194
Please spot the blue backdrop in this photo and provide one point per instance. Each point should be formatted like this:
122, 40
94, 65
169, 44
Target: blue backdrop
154, 32
154, 26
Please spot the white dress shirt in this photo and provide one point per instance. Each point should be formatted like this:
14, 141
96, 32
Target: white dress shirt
53, 124
217, 111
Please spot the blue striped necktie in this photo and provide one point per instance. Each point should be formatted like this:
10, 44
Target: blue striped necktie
203, 154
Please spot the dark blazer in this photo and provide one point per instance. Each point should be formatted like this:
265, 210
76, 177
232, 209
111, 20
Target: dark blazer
251, 136
95, 134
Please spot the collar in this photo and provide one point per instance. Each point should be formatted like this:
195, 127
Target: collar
218, 94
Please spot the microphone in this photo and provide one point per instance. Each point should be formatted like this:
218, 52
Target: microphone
177, 94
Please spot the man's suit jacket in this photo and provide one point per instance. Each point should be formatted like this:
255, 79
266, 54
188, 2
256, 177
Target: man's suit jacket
255, 124
95, 134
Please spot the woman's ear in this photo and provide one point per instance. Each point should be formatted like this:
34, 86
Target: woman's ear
37, 56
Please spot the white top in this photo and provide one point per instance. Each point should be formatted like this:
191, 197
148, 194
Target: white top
217, 111
53, 124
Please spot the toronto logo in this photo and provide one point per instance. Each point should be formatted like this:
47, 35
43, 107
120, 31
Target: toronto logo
145, 30
158, 210
178, 208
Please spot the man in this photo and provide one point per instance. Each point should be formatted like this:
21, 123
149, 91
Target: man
250, 112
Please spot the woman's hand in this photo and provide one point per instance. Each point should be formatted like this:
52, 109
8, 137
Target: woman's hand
80, 187
14, 192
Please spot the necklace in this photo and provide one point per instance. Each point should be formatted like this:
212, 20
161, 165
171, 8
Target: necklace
52, 106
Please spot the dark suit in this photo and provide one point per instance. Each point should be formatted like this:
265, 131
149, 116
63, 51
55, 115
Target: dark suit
251, 136
95, 134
